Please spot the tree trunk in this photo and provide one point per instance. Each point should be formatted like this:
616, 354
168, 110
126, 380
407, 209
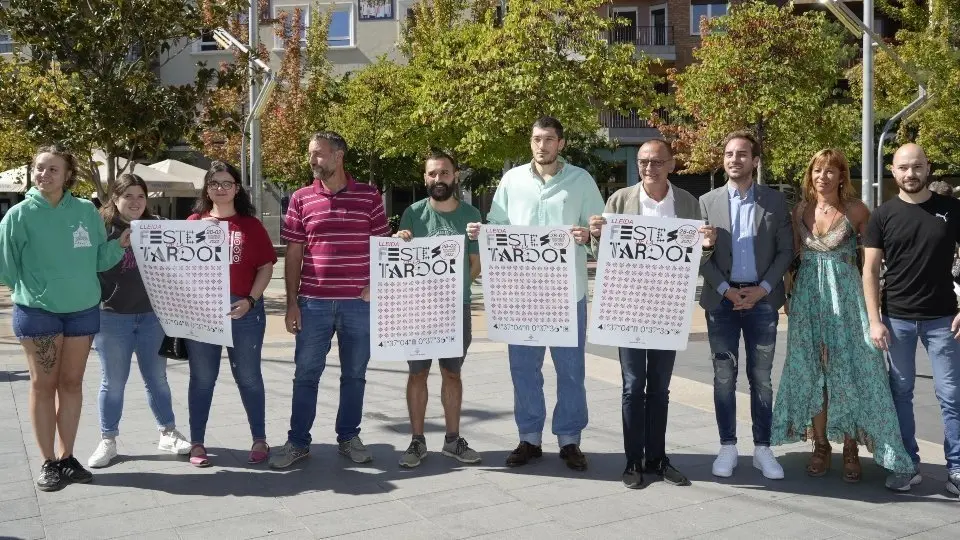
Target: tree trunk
760, 141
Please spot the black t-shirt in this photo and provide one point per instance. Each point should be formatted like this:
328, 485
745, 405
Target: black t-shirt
918, 243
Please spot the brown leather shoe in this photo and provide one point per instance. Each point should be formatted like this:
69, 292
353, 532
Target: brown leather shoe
523, 453
573, 457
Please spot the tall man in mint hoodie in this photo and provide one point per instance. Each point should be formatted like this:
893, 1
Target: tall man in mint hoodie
51, 247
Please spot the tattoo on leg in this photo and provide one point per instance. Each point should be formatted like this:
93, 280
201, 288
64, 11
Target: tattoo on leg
46, 352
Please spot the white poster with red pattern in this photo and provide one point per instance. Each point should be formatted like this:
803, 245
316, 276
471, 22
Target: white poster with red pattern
646, 281
529, 285
185, 266
416, 298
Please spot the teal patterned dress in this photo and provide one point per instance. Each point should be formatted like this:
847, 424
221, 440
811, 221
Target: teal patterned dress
829, 347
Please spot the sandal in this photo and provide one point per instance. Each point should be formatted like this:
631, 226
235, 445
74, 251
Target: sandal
851, 462
199, 460
819, 462
258, 456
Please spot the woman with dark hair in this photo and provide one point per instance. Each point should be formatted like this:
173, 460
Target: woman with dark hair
834, 385
51, 247
128, 325
251, 266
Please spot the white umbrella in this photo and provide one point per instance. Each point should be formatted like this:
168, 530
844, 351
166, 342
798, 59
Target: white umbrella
161, 184
181, 170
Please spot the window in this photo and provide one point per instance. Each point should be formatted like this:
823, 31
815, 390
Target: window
288, 22
206, 43
699, 11
341, 26
6, 40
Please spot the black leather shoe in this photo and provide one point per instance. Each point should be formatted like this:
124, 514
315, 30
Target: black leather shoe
573, 457
523, 453
633, 476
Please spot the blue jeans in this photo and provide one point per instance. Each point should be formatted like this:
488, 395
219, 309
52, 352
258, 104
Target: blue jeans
759, 328
319, 319
121, 335
944, 353
244, 358
646, 394
529, 407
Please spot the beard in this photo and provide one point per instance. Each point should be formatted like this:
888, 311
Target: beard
920, 184
546, 160
321, 173
441, 192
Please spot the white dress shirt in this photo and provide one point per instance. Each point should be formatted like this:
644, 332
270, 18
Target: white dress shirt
652, 208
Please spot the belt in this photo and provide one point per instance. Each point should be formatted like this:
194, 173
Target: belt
742, 284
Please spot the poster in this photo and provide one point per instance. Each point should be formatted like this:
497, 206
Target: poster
185, 266
373, 10
416, 298
646, 280
529, 284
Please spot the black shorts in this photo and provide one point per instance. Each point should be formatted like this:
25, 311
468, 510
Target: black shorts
452, 365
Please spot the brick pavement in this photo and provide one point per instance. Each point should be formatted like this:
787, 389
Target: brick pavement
147, 495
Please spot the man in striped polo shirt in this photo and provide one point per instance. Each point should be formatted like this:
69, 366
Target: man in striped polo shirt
328, 228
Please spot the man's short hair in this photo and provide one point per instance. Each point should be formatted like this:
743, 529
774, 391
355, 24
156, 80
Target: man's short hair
549, 122
663, 144
745, 135
333, 138
436, 154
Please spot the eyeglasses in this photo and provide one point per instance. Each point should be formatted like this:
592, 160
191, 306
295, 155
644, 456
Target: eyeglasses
655, 163
226, 186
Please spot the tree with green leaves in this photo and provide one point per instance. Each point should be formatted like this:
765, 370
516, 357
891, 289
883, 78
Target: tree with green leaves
769, 70
482, 82
930, 41
86, 74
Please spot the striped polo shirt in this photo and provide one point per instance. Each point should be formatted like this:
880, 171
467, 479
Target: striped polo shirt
335, 229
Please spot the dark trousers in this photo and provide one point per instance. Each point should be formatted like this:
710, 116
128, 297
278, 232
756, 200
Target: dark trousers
646, 393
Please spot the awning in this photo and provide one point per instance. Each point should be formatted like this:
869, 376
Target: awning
157, 181
182, 170
14, 180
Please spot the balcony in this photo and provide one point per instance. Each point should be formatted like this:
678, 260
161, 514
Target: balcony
654, 41
630, 128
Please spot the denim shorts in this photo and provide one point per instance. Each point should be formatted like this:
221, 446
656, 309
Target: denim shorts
452, 365
29, 323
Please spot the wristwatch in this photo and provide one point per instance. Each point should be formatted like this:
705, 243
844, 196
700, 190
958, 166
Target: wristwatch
253, 302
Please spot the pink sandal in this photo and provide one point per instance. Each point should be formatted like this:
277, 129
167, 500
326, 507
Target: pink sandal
201, 459
258, 456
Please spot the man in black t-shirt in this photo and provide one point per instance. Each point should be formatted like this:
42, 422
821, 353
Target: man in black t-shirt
916, 236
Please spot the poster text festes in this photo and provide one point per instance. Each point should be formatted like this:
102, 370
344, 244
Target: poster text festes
184, 246
525, 248
639, 242
397, 261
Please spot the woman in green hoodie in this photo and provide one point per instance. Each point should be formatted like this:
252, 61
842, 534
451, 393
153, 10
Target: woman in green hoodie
51, 247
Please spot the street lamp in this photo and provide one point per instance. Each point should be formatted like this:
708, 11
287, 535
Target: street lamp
250, 173
870, 38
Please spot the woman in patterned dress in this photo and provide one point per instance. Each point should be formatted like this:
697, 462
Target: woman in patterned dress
834, 385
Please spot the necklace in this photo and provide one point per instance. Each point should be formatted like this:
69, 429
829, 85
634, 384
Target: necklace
825, 208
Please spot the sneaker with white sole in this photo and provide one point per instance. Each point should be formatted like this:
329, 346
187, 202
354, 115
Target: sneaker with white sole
953, 483
766, 462
355, 450
174, 442
105, 453
415, 453
726, 461
461, 451
903, 482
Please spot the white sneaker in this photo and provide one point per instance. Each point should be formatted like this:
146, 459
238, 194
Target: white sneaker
726, 461
764, 460
105, 453
174, 442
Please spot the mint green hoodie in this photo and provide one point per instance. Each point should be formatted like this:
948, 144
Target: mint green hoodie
50, 256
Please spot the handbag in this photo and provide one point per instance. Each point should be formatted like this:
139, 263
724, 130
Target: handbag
173, 348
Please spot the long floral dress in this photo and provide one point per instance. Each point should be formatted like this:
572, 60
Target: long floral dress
828, 346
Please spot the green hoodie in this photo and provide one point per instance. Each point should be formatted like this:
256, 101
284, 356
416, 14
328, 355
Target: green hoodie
50, 256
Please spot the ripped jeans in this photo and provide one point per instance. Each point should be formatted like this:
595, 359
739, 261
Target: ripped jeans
759, 328
245, 356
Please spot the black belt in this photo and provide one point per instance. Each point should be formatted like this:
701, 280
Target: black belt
742, 284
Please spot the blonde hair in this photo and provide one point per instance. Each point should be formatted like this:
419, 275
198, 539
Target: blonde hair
829, 157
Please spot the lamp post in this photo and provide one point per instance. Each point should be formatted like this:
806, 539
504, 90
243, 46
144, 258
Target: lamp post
870, 39
250, 169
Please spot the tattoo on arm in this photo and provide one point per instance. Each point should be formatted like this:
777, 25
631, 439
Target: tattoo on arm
46, 352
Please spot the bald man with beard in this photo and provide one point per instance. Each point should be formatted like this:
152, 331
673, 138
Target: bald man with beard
915, 235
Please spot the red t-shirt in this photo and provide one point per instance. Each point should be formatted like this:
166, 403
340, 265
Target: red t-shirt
250, 248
